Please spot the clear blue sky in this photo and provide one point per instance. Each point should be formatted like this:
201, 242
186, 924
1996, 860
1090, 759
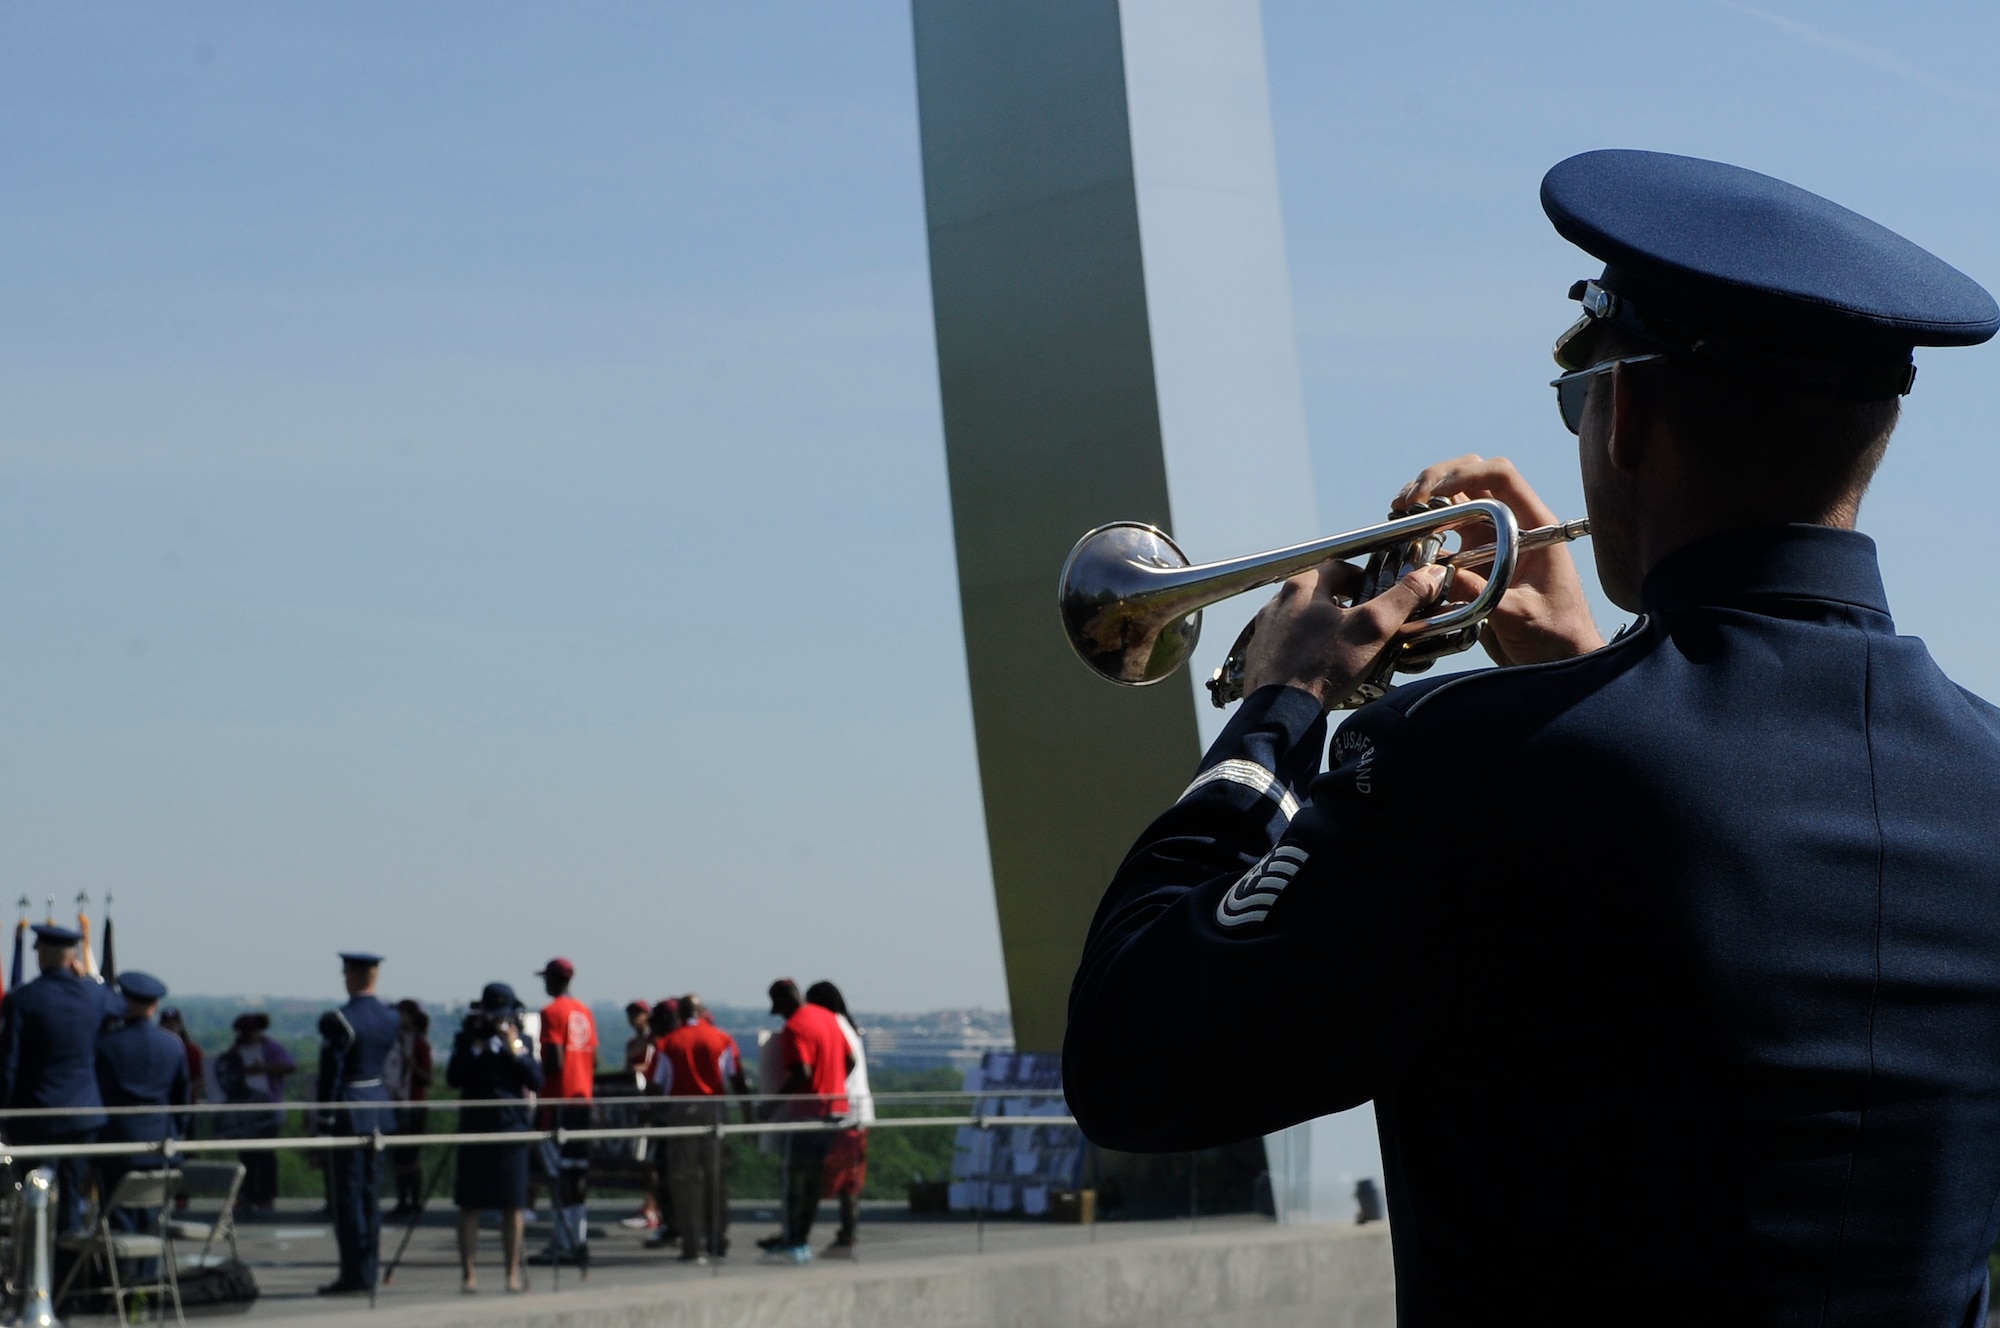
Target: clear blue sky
471, 481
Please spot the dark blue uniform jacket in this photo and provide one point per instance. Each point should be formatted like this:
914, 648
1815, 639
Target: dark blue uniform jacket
483, 1069
1673, 971
350, 1064
48, 1052
141, 1064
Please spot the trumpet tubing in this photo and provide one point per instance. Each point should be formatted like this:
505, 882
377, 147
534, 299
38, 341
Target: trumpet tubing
1131, 601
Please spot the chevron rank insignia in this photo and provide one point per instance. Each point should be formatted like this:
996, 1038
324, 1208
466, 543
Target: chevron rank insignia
1249, 901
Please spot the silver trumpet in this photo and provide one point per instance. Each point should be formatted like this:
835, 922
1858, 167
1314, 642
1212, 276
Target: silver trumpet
1131, 602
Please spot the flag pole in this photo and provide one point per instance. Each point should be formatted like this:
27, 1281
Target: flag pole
83, 925
109, 966
20, 944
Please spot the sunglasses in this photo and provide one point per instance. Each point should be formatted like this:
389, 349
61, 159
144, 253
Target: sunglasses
1573, 389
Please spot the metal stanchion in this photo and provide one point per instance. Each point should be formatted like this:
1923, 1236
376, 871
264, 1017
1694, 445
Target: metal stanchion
719, 1215
979, 1192
37, 1309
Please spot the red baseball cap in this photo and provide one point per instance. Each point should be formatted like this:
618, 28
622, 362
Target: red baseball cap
559, 966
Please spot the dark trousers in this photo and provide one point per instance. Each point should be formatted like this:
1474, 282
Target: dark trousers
805, 1176
353, 1178
72, 1173
568, 1171
260, 1170
409, 1162
695, 1181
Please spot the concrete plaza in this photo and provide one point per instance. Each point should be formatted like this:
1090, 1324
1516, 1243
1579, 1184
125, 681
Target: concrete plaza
941, 1272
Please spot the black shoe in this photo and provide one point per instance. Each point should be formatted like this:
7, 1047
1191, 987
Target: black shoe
769, 1243
341, 1288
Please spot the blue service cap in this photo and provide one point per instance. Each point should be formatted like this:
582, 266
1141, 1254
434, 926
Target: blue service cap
141, 986
1754, 276
360, 958
48, 933
498, 996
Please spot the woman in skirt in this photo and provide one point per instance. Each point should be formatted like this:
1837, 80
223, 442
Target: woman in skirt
492, 1063
847, 1156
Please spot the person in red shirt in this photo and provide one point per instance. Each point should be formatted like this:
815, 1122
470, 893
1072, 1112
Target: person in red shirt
697, 1067
816, 1059
569, 1075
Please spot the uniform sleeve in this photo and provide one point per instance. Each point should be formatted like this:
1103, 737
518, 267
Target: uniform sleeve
1295, 930
106, 1070
335, 1035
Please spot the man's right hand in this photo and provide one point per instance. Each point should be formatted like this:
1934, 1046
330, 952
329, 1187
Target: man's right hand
1544, 614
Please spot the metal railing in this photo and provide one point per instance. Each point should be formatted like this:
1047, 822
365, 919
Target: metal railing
380, 1140
35, 1293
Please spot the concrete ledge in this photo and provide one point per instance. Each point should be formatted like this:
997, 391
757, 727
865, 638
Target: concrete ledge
1272, 1277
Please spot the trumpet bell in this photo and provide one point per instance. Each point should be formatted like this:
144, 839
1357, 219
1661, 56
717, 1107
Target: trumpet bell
1112, 611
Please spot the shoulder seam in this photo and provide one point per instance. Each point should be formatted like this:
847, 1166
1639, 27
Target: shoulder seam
1630, 634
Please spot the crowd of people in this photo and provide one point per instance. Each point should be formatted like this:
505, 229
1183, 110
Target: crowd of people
72, 1045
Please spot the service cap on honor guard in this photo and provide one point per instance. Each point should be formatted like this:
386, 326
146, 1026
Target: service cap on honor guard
141, 986
360, 959
1749, 275
48, 933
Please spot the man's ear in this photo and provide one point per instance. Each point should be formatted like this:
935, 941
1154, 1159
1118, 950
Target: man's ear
1626, 446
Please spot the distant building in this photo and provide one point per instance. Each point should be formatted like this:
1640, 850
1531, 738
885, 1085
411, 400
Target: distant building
959, 1039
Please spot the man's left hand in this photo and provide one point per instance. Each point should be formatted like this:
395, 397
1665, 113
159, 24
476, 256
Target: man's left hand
1305, 638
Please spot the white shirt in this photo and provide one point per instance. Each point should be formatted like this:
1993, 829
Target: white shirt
860, 1102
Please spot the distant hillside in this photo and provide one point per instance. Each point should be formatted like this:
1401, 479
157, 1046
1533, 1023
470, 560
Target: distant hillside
953, 1039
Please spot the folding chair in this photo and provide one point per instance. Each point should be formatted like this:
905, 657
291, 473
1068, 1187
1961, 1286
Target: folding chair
135, 1189
209, 1180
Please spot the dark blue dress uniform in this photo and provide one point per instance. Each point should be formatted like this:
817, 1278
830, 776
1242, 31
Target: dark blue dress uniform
48, 1058
356, 1041
139, 1064
1672, 970
502, 1073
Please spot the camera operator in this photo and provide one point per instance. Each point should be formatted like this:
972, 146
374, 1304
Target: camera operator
492, 1062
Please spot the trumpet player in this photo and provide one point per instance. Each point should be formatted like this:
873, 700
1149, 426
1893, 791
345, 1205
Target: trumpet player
1698, 1021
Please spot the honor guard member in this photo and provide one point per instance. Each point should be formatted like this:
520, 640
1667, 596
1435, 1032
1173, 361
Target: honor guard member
139, 1064
1672, 966
48, 1062
355, 1040
569, 1077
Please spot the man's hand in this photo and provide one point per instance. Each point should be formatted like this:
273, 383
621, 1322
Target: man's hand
1543, 615
1304, 638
